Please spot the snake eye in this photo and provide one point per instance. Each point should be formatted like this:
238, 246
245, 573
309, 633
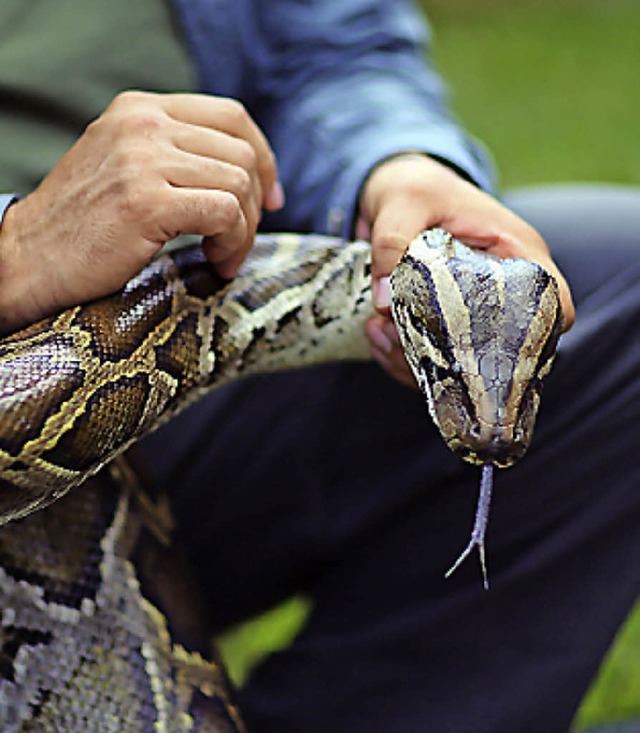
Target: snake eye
449, 373
440, 373
428, 323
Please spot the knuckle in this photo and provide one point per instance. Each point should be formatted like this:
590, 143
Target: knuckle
128, 117
247, 156
228, 211
139, 123
235, 110
135, 114
94, 128
127, 99
242, 183
135, 203
391, 245
415, 191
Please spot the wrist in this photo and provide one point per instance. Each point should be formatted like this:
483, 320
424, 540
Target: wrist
421, 164
18, 307
407, 172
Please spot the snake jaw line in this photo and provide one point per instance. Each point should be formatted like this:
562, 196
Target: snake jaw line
479, 526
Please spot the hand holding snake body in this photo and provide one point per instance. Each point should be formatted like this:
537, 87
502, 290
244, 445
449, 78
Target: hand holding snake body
410, 193
77, 389
150, 167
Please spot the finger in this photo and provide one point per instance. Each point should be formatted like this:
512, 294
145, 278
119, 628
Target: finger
400, 375
215, 215
488, 225
226, 257
393, 229
363, 229
217, 145
377, 337
386, 349
221, 251
185, 170
229, 116
396, 224
397, 357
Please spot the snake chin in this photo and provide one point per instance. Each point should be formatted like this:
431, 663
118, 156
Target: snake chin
479, 431
495, 444
498, 452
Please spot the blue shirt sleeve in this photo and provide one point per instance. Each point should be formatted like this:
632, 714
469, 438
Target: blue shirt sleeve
6, 199
344, 85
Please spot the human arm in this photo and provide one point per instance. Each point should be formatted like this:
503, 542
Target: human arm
150, 167
345, 86
355, 93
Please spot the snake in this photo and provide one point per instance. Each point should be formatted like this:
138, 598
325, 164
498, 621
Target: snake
90, 637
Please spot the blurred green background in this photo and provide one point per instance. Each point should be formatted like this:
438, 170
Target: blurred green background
552, 88
550, 85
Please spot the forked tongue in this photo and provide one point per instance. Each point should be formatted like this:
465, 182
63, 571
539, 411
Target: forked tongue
479, 525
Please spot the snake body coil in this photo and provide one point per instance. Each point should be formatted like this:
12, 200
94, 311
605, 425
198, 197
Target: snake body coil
77, 389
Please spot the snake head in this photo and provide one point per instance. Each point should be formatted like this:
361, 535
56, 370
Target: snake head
480, 335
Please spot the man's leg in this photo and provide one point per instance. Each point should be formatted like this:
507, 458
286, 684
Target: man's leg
334, 482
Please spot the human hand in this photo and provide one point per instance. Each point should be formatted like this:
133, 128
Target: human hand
412, 192
149, 168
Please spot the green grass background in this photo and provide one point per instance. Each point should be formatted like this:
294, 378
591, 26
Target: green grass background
552, 87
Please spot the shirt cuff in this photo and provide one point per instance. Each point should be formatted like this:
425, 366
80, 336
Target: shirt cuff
6, 199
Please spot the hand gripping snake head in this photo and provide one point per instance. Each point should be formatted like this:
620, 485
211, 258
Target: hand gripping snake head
480, 334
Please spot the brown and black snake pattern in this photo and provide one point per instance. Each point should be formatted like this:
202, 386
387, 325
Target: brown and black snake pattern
90, 639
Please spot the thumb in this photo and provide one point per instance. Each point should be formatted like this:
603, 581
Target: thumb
393, 229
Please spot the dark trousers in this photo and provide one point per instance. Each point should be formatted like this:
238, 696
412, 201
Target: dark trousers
333, 482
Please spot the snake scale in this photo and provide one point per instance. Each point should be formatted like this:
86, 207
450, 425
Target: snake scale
100, 629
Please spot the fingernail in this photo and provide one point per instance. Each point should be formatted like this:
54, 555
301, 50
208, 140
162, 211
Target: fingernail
382, 293
363, 230
275, 197
379, 339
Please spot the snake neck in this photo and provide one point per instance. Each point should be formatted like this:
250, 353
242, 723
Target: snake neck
272, 319
77, 389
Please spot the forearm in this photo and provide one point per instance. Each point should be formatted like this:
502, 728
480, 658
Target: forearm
354, 89
12, 304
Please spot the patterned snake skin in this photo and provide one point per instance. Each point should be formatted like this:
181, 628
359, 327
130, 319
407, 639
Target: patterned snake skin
100, 629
